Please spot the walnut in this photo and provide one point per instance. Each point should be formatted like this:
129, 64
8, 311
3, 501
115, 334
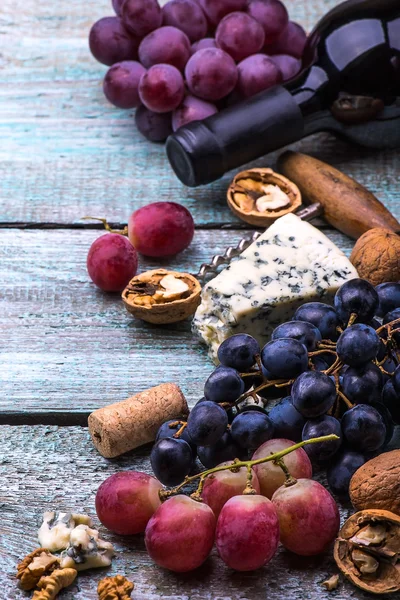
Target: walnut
86, 550
376, 256
52, 584
377, 483
260, 196
367, 551
56, 528
115, 588
162, 296
331, 583
38, 563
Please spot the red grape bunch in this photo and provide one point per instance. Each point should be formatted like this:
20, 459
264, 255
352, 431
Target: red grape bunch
187, 60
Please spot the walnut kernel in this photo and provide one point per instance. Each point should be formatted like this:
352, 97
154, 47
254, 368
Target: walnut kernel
115, 588
38, 563
376, 256
52, 584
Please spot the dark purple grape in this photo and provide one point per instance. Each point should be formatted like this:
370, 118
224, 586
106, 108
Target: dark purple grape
201, 44
285, 358
207, 422
272, 16
393, 315
117, 6
319, 363
215, 10
192, 109
359, 297
141, 16
389, 298
161, 88
239, 35
251, 428
288, 422
239, 352
362, 385
211, 74
165, 431
223, 385
363, 428
167, 45
257, 73
321, 315
110, 42
305, 333
155, 127
225, 449
289, 66
342, 470
324, 425
186, 15
358, 345
313, 394
171, 460
387, 419
291, 41
391, 400
121, 84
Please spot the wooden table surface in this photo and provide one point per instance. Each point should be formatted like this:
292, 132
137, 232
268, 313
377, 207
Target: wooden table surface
67, 348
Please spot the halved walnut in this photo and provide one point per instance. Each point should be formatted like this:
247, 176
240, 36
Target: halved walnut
38, 563
367, 551
162, 296
260, 196
86, 550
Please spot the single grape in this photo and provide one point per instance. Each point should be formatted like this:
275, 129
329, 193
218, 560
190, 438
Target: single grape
239, 35
224, 385
171, 460
161, 88
313, 394
356, 296
318, 427
257, 73
393, 315
323, 316
272, 16
342, 470
285, 358
126, 501
291, 41
211, 74
166, 431
206, 423
167, 45
239, 352
357, 345
387, 419
287, 420
121, 84
112, 262
305, 333
250, 429
247, 534
161, 229
221, 451
364, 428
155, 127
289, 66
110, 42
204, 43
319, 363
219, 487
187, 16
215, 10
308, 517
192, 109
117, 6
391, 400
390, 366
180, 534
362, 385
141, 16
389, 298
271, 476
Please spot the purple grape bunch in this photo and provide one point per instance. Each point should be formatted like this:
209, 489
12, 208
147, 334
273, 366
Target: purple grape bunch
184, 61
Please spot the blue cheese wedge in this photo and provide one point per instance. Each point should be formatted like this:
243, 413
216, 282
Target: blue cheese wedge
291, 263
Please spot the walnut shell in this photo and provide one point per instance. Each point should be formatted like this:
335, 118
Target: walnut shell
376, 256
375, 536
248, 186
138, 294
377, 483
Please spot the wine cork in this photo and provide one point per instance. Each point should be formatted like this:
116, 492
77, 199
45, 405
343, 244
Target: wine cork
123, 426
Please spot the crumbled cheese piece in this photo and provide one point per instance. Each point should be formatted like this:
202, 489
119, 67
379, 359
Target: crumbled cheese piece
56, 528
86, 550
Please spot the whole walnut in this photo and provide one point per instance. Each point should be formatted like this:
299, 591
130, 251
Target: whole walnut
376, 256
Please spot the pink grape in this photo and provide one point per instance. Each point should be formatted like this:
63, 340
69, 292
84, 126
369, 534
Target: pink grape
161, 89
187, 16
272, 16
292, 41
288, 65
211, 74
161, 229
239, 35
204, 43
112, 262
247, 534
167, 45
180, 534
257, 73
223, 485
141, 16
126, 501
308, 517
216, 10
271, 476
155, 127
117, 6
110, 42
192, 109
121, 84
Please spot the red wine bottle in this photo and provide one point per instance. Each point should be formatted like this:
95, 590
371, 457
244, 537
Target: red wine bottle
349, 85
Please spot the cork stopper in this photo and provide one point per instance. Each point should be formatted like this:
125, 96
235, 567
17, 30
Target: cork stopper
120, 427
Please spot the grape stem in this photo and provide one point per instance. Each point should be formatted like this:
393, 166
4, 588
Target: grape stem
108, 227
289, 479
238, 464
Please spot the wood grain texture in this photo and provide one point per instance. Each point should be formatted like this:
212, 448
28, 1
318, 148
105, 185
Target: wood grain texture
63, 471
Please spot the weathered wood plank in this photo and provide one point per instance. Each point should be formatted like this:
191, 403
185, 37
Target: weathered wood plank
48, 467
66, 346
